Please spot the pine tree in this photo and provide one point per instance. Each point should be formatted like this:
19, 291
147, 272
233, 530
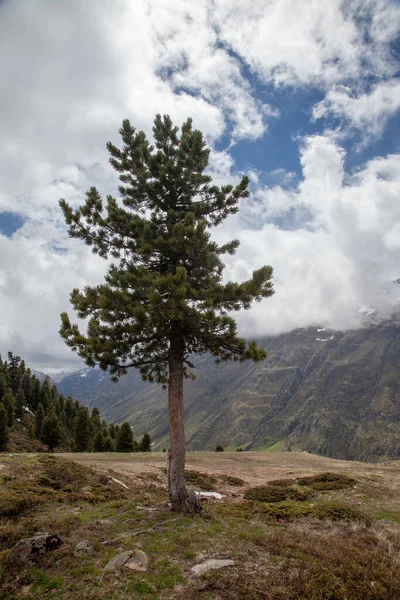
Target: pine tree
145, 444
82, 430
55, 405
31, 431
63, 419
124, 441
163, 298
8, 402
19, 404
95, 421
104, 428
16, 370
45, 394
109, 444
98, 442
112, 431
4, 385
3, 428
51, 431
70, 413
36, 387
27, 387
39, 417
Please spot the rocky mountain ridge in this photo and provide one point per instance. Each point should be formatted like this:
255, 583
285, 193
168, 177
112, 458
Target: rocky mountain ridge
330, 392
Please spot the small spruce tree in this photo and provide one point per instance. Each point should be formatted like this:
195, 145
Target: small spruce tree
124, 441
98, 442
4, 385
163, 298
31, 431
39, 417
95, 421
19, 403
16, 370
82, 430
145, 444
111, 430
51, 431
70, 413
35, 398
45, 394
8, 402
3, 428
109, 445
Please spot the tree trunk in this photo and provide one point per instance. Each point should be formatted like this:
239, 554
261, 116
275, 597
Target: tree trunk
180, 499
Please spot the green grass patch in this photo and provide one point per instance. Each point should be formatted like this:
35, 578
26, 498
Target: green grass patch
277, 447
388, 515
43, 582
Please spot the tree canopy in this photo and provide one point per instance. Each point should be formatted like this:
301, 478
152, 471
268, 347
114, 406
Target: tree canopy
167, 271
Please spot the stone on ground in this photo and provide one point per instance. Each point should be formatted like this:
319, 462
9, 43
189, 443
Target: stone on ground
28, 549
138, 562
83, 547
211, 564
135, 560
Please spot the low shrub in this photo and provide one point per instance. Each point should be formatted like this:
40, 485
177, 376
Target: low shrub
15, 502
339, 511
273, 493
327, 481
59, 473
203, 481
332, 511
282, 482
229, 480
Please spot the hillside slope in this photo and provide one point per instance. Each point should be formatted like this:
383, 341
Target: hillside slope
333, 393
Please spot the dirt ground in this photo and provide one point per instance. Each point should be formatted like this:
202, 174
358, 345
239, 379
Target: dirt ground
378, 489
253, 467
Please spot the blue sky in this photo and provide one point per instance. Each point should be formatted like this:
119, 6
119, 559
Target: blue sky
303, 97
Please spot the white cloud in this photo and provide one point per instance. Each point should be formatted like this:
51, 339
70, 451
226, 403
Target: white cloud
347, 256
368, 112
72, 73
35, 284
320, 43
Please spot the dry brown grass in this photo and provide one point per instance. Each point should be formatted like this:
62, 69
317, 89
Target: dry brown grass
320, 549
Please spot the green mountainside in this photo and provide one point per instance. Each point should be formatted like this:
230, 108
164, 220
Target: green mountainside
34, 416
332, 393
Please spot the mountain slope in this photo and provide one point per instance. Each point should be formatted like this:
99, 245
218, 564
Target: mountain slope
334, 393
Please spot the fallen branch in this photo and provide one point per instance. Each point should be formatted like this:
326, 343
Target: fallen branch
109, 542
124, 535
155, 526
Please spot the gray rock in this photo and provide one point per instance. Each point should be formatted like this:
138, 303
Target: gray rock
83, 547
135, 560
29, 549
139, 561
211, 564
118, 561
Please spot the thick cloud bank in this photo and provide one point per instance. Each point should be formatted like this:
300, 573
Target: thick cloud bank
71, 74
